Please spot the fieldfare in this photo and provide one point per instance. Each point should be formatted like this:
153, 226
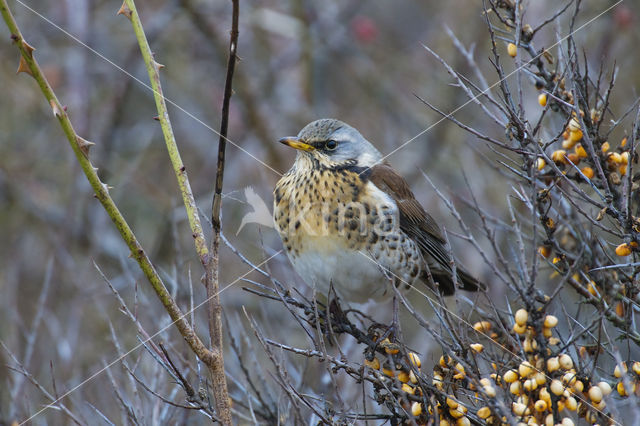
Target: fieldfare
347, 218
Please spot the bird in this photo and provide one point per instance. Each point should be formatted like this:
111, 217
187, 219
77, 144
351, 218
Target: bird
350, 222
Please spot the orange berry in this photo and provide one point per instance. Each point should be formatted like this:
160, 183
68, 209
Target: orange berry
588, 172
623, 250
542, 99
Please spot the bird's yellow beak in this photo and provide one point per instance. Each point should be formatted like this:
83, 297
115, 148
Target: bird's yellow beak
296, 143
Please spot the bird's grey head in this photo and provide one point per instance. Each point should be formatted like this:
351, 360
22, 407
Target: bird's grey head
332, 143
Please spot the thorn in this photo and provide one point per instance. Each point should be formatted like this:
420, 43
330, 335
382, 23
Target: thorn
15, 37
28, 48
158, 65
55, 108
124, 10
64, 108
23, 66
84, 145
157, 118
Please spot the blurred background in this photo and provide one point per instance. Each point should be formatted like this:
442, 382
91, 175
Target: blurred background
360, 61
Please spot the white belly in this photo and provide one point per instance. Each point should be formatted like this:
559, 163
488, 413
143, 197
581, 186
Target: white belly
355, 276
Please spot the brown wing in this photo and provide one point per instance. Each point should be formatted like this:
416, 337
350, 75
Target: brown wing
422, 228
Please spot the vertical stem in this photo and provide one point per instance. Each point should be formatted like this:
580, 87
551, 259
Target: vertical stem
212, 275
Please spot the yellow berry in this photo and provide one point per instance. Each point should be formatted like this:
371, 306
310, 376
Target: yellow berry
414, 359
544, 251
573, 125
515, 388
540, 405
588, 172
623, 142
482, 326
624, 157
565, 361
571, 403
463, 421
416, 408
549, 421
545, 396
403, 377
510, 376
620, 370
605, 147
477, 347
567, 422
457, 412
540, 163
580, 151
570, 378
621, 390
575, 136
605, 388
521, 317
623, 249
375, 364
525, 369
542, 99
595, 393
530, 385
388, 372
553, 364
578, 386
512, 50
556, 387
615, 157
408, 389
540, 378
452, 403
518, 409
558, 156
546, 332
484, 412
569, 142
636, 367
550, 321
444, 362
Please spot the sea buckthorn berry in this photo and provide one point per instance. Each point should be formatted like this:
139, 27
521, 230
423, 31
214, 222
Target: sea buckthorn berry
605, 147
595, 394
515, 388
540, 405
403, 377
620, 370
578, 386
635, 367
484, 412
624, 157
623, 142
408, 389
550, 321
412, 378
520, 329
463, 421
542, 99
556, 387
605, 388
518, 409
580, 151
482, 326
510, 376
544, 251
569, 143
565, 361
558, 156
573, 158
512, 50
540, 378
588, 172
573, 125
525, 369
521, 316
567, 422
414, 359
614, 157
374, 363
553, 364
540, 163
477, 347
623, 249
575, 136
416, 409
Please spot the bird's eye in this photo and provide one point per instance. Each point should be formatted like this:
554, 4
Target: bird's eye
331, 145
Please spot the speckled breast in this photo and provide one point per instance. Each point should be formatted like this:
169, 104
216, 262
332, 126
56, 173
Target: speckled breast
339, 228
